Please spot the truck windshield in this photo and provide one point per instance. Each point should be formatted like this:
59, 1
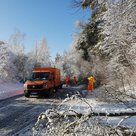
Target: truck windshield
40, 75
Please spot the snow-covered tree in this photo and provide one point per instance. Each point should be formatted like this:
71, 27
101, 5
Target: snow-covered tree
16, 42
41, 54
110, 37
72, 64
17, 48
38, 57
7, 69
90, 33
119, 45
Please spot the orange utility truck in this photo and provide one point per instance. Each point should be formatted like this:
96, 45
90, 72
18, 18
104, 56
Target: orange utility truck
43, 81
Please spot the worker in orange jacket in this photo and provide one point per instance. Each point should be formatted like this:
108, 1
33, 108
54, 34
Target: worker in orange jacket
74, 80
91, 83
67, 80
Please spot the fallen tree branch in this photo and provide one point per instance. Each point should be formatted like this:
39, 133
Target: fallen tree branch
79, 115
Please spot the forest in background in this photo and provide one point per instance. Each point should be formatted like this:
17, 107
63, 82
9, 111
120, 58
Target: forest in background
104, 47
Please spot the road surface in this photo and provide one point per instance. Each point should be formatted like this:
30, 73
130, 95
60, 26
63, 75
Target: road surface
18, 114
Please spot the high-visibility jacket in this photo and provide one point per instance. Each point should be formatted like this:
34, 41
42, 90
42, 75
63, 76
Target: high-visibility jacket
67, 79
91, 79
75, 81
91, 83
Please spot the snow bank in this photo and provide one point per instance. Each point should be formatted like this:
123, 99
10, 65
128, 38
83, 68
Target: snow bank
10, 88
59, 121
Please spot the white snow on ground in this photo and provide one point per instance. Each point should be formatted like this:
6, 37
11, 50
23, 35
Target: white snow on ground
10, 88
126, 121
100, 106
105, 107
82, 105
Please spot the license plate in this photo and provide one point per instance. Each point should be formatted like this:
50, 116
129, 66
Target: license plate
34, 93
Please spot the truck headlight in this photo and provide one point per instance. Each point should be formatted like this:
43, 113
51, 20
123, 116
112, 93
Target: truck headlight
25, 85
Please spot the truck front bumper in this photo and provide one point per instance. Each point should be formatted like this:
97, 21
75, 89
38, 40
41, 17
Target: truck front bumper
37, 91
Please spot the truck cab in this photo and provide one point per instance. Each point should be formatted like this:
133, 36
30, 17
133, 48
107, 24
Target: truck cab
43, 81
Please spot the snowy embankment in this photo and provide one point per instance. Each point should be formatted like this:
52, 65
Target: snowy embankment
94, 101
112, 111
9, 89
76, 115
91, 103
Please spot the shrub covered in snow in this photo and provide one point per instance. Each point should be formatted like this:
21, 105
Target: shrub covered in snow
72, 120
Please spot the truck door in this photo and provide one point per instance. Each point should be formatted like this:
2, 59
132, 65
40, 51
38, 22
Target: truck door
51, 79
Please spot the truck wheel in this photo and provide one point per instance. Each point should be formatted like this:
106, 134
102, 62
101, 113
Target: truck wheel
61, 86
53, 90
26, 94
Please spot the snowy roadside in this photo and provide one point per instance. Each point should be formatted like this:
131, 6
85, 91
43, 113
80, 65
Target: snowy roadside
79, 105
9, 89
97, 104
71, 116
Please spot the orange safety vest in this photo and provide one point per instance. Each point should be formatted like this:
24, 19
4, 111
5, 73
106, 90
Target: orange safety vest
91, 83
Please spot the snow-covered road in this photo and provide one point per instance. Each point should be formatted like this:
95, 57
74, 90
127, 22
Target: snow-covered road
19, 114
